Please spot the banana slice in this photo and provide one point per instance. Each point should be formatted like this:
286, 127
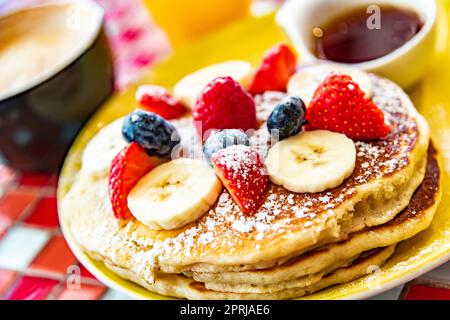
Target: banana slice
188, 89
312, 161
174, 194
101, 150
306, 80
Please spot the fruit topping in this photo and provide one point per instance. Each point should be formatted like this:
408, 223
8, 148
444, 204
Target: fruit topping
306, 80
224, 104
278, 65
340, 105
174, 194
312, 161
287, 118
188, 89
103, 147
127, 167
158, 100
224, 139
157, 136
243, 174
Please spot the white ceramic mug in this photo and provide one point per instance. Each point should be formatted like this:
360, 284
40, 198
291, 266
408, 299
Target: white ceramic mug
405, 65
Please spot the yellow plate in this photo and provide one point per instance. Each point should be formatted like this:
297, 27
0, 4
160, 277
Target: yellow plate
248, 40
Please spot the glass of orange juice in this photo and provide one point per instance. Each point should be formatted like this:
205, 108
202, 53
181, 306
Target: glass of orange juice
184, 21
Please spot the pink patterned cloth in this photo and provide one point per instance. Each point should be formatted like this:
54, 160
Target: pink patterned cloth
136, 41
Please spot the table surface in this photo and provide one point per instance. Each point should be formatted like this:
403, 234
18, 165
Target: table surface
45, 268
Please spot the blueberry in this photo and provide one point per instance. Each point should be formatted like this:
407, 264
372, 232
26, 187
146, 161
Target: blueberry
223, 139
157, 136
288, 117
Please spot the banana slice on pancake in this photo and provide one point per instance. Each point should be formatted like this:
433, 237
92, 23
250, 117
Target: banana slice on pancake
312, 161
189, 88
306, 80
100, 150
174, 194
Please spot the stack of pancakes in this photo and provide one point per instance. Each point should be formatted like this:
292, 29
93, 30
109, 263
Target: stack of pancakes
295, 244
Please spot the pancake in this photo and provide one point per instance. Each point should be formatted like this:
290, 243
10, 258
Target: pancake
375, 209
303, 281
386, 174
183, 287
415, 218
124, 255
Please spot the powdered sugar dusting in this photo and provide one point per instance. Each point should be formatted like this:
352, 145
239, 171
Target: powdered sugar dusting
243, 171
226, 227
266, 102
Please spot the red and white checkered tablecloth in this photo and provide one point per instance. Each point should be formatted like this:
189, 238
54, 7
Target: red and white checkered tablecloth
28, 214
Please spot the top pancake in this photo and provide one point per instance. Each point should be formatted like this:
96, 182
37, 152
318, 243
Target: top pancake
287, 223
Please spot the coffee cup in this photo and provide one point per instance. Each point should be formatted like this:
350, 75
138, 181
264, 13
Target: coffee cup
56, 69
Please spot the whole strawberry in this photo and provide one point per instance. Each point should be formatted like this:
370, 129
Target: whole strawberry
224, 104
243, 173
278, 65
158, 100
127, 168
340, 105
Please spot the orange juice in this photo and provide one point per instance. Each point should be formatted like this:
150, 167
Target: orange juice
184, 21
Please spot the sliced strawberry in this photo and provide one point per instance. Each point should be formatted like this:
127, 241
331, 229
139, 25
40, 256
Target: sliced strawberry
128, 166
244, 175
158, 100
278, 65
340, 105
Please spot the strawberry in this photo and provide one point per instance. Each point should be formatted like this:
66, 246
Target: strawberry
278, 65
158, 100
340, 105
244, 175
224, 104
128, 166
